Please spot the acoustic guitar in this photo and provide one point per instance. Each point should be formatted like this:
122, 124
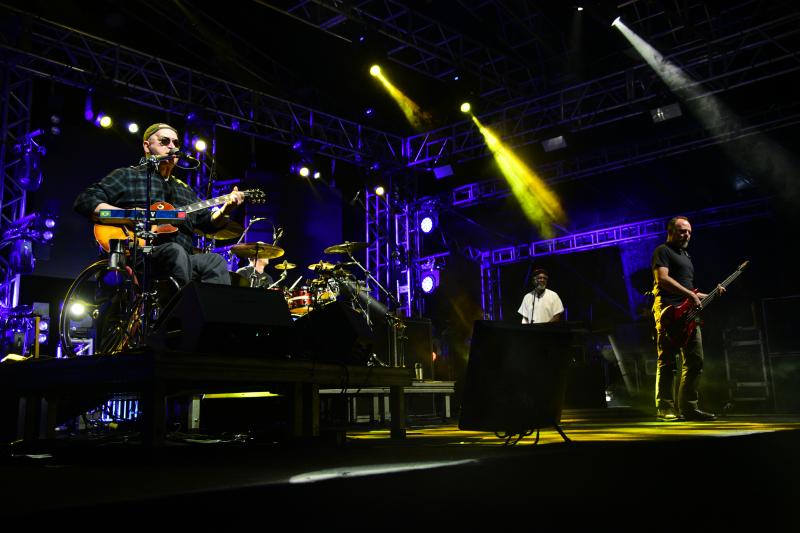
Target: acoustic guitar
679, 322
103, 233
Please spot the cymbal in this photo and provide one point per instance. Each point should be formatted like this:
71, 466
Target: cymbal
257, 250
346, 247
322, 265
232, 230
285, 265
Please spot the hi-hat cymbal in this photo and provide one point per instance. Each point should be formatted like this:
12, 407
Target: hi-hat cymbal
322, 265
346, 247
257, 250
284, 265
233, 230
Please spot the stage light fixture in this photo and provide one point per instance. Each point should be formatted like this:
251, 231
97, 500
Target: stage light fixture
443, 171
133, 127
35, 226
77, 310
103, 120
427, 219
616, 22
379, 190
317, 174
466, 107
200, 145
429, 281
55, 128
375, 71
556, 143
667, 112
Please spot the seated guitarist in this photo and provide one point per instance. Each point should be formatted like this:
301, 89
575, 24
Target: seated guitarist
126, 188
673, 275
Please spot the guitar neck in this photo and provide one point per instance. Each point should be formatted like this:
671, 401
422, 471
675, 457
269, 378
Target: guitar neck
713, 294
211, 202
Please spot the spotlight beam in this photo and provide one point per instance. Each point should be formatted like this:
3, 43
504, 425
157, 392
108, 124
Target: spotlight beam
760, 153
540, 205
415, 116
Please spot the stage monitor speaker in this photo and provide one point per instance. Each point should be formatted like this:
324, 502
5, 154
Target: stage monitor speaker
516, 377
221, 319
785, 373
780, 324
336, 333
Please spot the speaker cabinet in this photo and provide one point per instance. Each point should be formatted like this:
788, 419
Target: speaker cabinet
785, 371
220, 319
516, 376
780, 324
336, 333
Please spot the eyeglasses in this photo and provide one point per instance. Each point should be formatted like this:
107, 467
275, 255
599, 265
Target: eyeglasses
166, 140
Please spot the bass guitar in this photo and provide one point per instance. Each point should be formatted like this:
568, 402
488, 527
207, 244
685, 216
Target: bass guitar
679, 322
103, 233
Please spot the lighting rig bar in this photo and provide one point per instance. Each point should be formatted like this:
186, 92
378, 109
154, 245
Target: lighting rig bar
422, 43
80, 60
750, 56
622, 156
624, 233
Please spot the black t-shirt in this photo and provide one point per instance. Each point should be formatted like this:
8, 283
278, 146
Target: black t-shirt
680, 267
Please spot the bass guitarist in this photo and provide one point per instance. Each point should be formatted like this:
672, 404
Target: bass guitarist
126, 188
673, 275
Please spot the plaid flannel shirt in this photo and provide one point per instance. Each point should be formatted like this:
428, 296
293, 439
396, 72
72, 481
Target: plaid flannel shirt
126, 188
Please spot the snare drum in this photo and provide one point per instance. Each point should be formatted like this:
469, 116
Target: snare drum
299, 301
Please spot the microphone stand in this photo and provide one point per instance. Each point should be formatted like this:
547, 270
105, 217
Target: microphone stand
395, 326
146, 232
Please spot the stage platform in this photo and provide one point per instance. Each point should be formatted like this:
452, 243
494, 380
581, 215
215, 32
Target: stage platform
621, 470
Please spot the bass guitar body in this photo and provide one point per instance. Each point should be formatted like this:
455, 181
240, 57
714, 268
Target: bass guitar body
678, 324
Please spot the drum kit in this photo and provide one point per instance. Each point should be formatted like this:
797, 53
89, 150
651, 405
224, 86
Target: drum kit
333, 281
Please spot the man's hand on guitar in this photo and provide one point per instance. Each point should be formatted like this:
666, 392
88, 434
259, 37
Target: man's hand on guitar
696, 297
235, 198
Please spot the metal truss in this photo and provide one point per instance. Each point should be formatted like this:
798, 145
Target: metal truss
492, 260
735, 60
427, 46
627, 155
380, 237
17, 95
74, 58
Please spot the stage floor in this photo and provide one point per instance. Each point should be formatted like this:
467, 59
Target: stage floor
617, 463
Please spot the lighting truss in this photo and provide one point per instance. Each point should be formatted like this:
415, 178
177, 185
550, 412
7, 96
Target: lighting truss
80, 60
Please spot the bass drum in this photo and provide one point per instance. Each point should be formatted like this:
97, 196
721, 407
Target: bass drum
299, 301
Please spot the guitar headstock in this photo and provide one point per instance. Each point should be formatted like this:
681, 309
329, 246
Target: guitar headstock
255, 196
743, 265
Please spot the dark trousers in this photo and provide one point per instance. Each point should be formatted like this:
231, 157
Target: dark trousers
172, 260
691, 370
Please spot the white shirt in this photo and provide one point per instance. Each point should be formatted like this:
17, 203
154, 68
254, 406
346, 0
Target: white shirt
542, 308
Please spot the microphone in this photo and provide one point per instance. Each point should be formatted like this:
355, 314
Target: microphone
175, 153
353, 201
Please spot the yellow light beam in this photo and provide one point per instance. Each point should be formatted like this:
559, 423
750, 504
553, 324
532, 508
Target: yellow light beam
540, 205
418, 118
